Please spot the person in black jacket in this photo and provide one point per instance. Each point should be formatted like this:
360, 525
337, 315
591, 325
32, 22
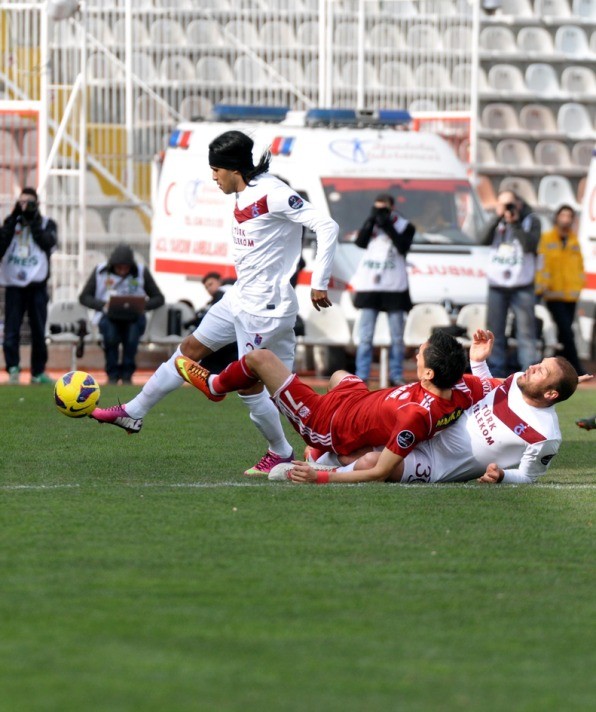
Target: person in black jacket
27, 240
381, 283
121, 275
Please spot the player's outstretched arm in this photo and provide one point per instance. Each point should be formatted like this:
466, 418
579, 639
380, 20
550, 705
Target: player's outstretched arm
493, 475
387, 462
482, 345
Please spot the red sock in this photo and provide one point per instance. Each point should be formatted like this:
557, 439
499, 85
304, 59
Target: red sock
234, 377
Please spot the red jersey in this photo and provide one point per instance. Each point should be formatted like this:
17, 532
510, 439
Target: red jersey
350, 416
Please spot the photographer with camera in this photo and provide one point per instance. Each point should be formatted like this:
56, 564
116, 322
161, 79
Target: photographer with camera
27, 240
381, 283
513, 235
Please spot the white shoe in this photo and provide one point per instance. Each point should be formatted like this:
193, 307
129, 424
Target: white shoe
281, 472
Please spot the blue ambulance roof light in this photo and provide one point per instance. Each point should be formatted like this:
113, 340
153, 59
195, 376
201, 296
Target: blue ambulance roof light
331, 116
394, 117
239, 112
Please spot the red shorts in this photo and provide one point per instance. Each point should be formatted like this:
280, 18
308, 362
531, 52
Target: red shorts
312, 414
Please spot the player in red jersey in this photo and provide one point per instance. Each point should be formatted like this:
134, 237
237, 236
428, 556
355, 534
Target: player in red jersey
350, 419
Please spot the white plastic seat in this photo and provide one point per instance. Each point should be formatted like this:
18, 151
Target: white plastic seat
542, 79
9, 186
471, 317
67, 313
396, 75
537, 118
195, 107
214, 70
140, 35
499, 117
421, 320
581, 153
243, 31
177, 68
149, 112
423, 37
384, 36
551, 8
94, 225
307, 34
521, 186
578, 80
497, 39
485, 153
204, 33
461, 77
165, 31
290, 69
277, 33
506, 78
517, 8
99, 29
144, 68
402, 9
586, 9
127, 224
158, 323
345, 35
574, 119
102, 69
535, 40
514, 153
431, 75
572, 41
311, 73
422, 105
554, 191
349, 74
249, 71
552, 153
328, 327
457, 37
184, 4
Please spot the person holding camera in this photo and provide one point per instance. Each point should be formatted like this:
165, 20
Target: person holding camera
513, 236
27, 240
121, 324
381, 284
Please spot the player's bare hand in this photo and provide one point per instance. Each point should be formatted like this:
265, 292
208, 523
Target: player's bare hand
320, 299
482, 345
585, 377
493, 475
302, 472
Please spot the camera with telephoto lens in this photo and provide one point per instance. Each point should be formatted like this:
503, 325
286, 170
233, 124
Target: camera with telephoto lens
78, 328
511, 207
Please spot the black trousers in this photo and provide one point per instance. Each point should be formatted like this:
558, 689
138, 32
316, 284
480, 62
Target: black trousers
563, 314
33, 301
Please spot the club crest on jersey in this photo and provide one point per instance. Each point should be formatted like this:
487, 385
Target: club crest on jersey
295, 202
258, 340
520, 428
406, 438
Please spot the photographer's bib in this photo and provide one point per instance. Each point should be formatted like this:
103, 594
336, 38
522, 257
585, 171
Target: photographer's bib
381, 269
24, 262
509, 266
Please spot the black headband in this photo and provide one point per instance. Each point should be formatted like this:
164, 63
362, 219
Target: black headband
236, 161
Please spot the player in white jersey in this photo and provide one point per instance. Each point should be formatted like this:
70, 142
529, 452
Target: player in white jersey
510, 436
259, 310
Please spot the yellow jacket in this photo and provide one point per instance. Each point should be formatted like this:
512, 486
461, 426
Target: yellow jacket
560, 273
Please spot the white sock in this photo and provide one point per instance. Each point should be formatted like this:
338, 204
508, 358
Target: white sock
327, 459
347, 468
266, 417
165, 380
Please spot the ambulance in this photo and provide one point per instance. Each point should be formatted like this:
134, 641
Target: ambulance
338, 160
586, 310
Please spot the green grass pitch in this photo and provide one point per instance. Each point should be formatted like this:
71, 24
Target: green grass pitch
145, 573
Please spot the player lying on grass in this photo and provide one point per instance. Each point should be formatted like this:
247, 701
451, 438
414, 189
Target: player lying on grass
350, 419
514, 425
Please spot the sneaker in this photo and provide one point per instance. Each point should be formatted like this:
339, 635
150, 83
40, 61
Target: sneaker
281, 472
267, 463
587, 423
14, 373
117, 415
197, 376
42, 378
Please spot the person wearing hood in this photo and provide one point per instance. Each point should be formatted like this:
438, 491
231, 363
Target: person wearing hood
121, 275
27, 240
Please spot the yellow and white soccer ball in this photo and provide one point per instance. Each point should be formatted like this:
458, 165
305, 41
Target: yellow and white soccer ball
76, 394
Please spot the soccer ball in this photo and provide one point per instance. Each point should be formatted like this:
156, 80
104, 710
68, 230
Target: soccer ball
76, 394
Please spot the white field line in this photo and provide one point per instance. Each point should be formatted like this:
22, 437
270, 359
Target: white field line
261, 483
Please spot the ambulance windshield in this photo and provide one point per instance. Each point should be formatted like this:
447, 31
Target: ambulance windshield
444, 212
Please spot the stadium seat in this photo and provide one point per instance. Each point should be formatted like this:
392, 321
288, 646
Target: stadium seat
537, 118
522, 186
507, 79
593, 42
457, 37
10, 154
514, 153
290, 69
574, 119
421, 320
165, 31
485, 153
554, 154
381, 341
555, 190
307, 34
586, 9
204, 33
192, 107
423, 36
431, 75
578, 80
286, 5
581, 153
499, 117
177, 68
401, 9
349, 74
517, 8
62, 313
144, 68
103, 70
419, 105
99, 29
140, 35
148, 111
571, 41
551, 8
345, 35
471, 317
498, 40
440, 8
581, 190
385, 36
277, 34
185, 4
9, 187
461, 77
157, 331
396, 75
311, 73
127, 224
214, 71
243, 31
250, 72
535, 40
94, 226
541, 79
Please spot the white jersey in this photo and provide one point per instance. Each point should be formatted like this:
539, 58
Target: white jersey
501, 428
267, 237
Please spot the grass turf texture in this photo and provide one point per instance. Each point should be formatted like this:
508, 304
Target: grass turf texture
145, 573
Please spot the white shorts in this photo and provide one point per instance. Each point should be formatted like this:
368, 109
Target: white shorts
220, 327
419, 467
